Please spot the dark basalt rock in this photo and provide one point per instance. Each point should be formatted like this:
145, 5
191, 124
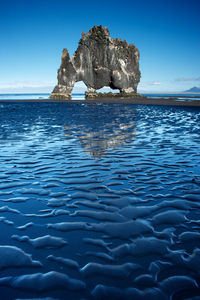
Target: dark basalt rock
99, 61
95, 95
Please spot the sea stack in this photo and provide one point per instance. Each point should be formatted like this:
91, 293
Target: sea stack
100, 61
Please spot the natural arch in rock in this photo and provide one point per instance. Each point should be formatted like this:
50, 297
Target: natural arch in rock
99, 61
79, 87
107, 89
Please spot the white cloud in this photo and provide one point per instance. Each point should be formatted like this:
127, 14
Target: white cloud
149, 85
185, 79
25, 84
156, 83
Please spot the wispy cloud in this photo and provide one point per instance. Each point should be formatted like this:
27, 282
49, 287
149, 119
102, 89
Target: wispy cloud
156, 83
25, 84
186, 79
149, 84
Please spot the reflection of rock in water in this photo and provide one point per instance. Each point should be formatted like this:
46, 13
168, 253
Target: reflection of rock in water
99, 142
101, 135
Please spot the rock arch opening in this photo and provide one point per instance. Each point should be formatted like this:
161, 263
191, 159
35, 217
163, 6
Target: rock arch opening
78, 91
107, 89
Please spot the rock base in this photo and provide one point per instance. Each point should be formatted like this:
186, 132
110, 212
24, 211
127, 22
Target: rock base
58, 96
94, 95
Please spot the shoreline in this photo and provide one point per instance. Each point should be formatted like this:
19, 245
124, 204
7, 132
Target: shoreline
138, 101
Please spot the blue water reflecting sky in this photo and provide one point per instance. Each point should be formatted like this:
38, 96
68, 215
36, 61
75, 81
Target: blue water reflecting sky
105, 197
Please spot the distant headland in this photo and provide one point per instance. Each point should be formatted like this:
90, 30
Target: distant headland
195, 90
99, 61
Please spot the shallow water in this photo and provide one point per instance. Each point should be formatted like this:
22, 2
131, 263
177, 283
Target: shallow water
81, 96
181, 97
24, 96
105, 197
34, 96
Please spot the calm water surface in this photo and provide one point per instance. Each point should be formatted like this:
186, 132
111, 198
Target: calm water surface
81, 96
105, 199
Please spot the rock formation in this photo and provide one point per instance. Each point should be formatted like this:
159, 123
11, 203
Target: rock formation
99, 61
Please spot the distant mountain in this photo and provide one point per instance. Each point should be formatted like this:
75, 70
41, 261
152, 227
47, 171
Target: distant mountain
194, 89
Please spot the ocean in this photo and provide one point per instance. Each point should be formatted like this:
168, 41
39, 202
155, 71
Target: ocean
79, 96
33, 96
99, 201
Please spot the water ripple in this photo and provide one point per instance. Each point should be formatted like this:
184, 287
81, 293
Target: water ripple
107, 199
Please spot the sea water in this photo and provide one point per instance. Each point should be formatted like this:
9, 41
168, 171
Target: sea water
81, 96
36, 96
99, 201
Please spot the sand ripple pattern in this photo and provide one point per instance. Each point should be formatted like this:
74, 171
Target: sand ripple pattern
99, 201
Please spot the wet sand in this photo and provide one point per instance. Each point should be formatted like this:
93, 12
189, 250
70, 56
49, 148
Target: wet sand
138, 101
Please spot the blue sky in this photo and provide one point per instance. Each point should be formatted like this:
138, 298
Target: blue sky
34, 32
